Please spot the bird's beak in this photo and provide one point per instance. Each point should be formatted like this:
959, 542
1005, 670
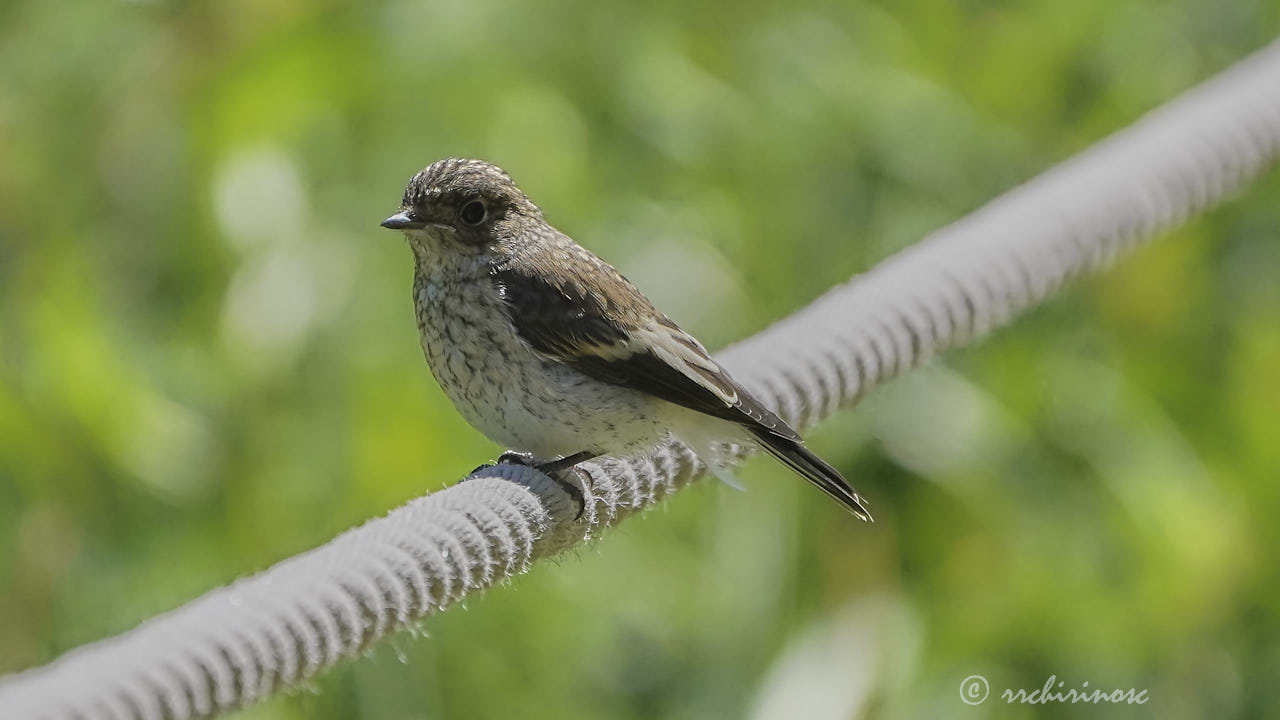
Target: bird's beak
402, 221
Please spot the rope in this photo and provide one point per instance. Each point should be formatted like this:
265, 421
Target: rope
277, 629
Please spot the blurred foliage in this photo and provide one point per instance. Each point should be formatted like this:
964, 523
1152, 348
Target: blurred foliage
208, 359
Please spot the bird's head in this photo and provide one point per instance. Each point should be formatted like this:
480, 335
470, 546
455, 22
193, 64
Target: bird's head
467, 205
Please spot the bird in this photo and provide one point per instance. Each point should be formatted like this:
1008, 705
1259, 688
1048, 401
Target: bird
547, 349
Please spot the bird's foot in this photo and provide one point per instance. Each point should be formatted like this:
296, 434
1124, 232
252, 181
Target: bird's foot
552, 469
511, 457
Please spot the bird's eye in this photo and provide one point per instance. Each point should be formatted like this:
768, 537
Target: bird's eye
472, 213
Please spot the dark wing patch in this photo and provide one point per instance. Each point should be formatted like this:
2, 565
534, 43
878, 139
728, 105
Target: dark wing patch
556, 321
647, 373
566, 322
635, 346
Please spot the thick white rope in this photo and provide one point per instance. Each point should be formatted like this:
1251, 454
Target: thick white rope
241, 643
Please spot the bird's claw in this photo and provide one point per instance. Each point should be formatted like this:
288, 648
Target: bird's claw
551, 468
512, 457
573, 491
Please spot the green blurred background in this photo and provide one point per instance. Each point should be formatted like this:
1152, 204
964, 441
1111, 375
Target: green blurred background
208, 359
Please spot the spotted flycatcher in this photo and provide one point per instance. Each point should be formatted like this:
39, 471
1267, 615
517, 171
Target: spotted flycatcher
547, 349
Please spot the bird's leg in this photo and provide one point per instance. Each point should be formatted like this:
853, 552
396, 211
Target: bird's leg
556, 466
552, 469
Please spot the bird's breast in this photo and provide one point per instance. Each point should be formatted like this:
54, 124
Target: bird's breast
506, 391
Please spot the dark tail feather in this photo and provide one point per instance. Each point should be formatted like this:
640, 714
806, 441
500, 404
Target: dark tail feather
814, 469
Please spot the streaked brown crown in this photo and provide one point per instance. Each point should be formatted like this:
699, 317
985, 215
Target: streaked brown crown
454, 180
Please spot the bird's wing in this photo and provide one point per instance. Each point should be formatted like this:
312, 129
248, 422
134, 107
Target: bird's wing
601, 324
587, 315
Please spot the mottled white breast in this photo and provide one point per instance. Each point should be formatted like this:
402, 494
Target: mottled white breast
511, 395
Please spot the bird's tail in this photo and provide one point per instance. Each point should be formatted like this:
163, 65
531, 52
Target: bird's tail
707, 438
796, 456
